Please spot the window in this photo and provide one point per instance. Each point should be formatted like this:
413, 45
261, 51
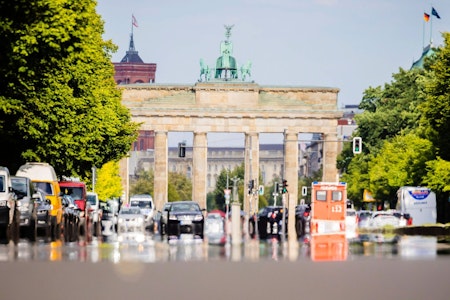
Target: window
2, 186
336, 196
321, 195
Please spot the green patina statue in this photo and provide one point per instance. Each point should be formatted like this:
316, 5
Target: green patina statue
226, 65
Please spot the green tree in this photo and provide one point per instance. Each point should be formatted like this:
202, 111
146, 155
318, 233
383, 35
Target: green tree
143, 184
58, 99
436, 110
109, 182
179, 187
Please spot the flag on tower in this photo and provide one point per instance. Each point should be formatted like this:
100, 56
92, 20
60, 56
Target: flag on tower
435, 13
426, 17
134, 21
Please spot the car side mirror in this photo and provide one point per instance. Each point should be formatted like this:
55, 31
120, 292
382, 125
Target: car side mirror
48, 201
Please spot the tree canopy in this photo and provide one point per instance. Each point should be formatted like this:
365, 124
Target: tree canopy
58, 99
405, 129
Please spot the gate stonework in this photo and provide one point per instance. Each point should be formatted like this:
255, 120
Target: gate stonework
233, 106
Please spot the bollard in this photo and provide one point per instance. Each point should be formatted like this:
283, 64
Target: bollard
236, 235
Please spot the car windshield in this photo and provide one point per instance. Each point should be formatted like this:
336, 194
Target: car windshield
92, 199
185, 207
46, 187
130, 211
75, 192
19, 185
141, 204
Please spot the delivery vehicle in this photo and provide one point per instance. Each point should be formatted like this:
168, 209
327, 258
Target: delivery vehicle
419, 203
328, 207
78, 191
44, 178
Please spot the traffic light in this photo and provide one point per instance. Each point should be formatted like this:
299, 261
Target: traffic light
181, 149
304, 191
357, 145
277, 188
284, 187
251, 185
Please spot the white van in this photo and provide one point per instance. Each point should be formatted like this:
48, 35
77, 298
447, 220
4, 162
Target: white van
419, 203
37, 171
145, 203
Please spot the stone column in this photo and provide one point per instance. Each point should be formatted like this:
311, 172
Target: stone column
291, 175
251, 169
199, 168
161, 169
330, 173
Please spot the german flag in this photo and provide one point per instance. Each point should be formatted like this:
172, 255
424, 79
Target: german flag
426, 17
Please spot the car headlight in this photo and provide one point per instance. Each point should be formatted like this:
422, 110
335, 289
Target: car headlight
198, 218
173, 217
121, 220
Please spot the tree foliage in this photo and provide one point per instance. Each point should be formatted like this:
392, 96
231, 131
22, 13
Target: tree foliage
58, 99
406, 133
109, 183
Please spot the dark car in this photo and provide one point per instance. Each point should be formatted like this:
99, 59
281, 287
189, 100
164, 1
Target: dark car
72, 219
25, 195
302, 219
270, 221
43, 211
182, 217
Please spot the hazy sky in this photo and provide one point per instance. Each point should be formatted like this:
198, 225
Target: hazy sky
348, 44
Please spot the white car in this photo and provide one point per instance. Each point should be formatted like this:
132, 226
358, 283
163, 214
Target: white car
131, 219
381, 219
145, 203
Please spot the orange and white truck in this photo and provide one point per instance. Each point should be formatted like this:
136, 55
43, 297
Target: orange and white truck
328, 207
328, 213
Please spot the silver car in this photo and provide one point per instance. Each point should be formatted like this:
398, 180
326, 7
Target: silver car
131, 219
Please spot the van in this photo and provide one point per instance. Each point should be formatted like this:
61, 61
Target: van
44, 178
145, 203
9, 215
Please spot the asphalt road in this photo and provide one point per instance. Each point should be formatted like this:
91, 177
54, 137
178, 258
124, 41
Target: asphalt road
362, 279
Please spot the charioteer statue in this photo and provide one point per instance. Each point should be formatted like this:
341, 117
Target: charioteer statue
226, 65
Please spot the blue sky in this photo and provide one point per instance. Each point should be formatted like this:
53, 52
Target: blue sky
348, 44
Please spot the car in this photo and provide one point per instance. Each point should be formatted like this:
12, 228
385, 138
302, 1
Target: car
71, 219
145, 203
44, 217
109, 217
95, 211
130, 219
23, 188
302, 219
215, 228
9, 213
182, 217
363, 217
382, 219
270, 220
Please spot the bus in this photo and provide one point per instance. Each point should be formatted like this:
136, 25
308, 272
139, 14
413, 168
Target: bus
419, 203
328, 207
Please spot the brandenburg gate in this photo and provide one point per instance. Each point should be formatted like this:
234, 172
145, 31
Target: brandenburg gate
227, 103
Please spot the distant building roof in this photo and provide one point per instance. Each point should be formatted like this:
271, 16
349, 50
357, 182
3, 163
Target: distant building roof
132, 55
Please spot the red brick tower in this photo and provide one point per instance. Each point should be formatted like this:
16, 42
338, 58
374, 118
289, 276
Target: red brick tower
132, 68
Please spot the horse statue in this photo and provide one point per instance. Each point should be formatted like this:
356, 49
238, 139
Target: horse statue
245, 70
205, 72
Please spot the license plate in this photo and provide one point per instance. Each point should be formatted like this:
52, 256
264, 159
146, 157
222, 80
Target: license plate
3, 203
41, 222
185, 222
